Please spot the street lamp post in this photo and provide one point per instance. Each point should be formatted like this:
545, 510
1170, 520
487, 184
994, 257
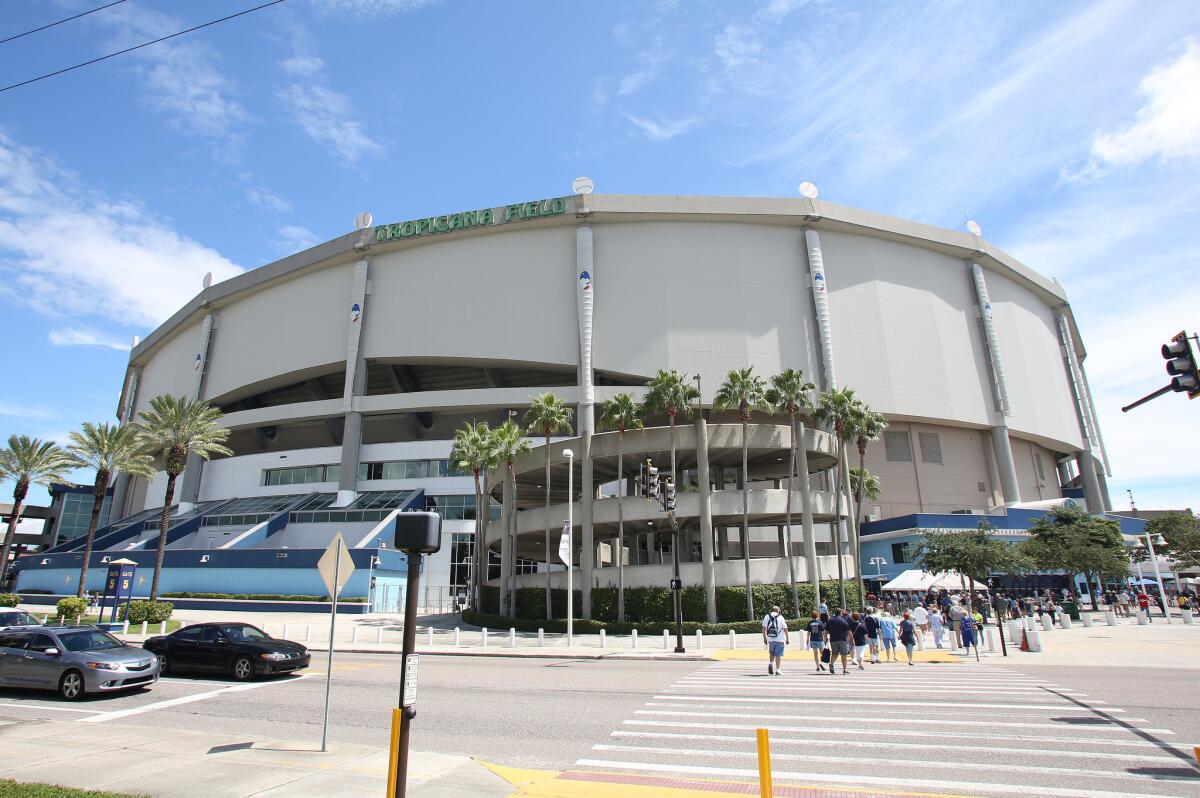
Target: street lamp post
1162, 594
570, 455
879, 562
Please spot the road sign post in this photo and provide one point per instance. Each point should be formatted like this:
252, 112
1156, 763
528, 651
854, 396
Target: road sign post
335, 567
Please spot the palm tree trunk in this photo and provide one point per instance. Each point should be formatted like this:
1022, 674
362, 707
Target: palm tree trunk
13, 521
790, 558
512, 533
483, 516
620, 526
99, 489
746, 520
474, 586
163, 526
862, 489
837, 523
549, 608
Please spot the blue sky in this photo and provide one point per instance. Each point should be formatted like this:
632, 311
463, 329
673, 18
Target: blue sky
1069, 131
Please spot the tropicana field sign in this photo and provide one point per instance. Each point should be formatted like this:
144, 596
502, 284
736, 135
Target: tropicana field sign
466, 220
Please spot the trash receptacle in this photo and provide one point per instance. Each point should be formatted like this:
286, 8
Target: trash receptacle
1071, 608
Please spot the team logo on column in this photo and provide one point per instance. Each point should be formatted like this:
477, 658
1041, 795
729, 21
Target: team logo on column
819, 282
199, 360
987, 310
355, 313
585, 281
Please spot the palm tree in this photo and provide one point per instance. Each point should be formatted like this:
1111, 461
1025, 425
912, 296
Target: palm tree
509, 445
109, 449
672, 393
620, 413
29, 461
173, 428
790, 393
548, 415
474, 450
864, 484
836, 408
867, 426
744, 390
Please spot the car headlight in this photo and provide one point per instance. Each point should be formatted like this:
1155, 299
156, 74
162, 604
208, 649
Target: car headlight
103, 666
273, 655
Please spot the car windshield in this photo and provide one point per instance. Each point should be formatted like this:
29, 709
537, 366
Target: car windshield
243, 631
18, 618
89, 640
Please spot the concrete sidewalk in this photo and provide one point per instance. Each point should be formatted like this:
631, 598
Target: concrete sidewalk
172, 763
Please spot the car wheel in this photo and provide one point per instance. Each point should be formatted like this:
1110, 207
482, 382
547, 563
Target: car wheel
243, 669
163, 665
70, 686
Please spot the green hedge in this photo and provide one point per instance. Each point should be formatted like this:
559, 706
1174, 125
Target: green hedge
649, 605
261, 597
9, 599
72, 607
149, 611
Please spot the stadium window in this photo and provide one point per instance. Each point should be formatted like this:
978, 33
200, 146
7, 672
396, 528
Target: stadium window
902, 553
931, 448
897, 446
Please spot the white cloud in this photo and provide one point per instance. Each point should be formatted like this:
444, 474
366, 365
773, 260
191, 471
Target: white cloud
302, 65
183, 78
294, 238
68, 252
82, 336
267, 199
737, 45
18, 411
662, 129
329, 118
651, 60
359, 9
1168, 125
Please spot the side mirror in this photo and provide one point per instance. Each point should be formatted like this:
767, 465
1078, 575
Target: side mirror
50, 652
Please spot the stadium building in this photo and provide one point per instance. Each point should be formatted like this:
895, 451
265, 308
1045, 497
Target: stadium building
344, 370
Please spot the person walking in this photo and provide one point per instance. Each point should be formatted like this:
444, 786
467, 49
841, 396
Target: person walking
920, 617
937, 626
775, 637
872, 624
838, 634
816, 639
908, 636
968, 627
860, 639
887, 635
955, 615
1143, 602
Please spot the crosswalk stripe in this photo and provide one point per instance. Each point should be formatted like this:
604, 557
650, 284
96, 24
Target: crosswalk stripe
761, 719
858, 686
781, 740
1005, 767
835, 778
932, 712
848, 701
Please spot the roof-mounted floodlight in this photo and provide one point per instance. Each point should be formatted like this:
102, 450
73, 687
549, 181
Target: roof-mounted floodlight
583, 185
363, 221
809, 190
973, 228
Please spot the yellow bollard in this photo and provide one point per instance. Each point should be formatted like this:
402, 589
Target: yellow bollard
392, 762
1196, 751
764, 764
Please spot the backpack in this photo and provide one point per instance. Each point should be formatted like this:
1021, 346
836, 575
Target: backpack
772, 625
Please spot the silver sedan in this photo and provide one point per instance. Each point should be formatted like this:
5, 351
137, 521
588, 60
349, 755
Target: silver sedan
73, 660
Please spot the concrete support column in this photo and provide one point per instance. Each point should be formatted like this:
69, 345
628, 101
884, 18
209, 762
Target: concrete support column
1009, 485
706, 530
723, 543
355, 386
121, 482
189, 489
1092, 492
806, 513
506, 552
586, 553
820, 295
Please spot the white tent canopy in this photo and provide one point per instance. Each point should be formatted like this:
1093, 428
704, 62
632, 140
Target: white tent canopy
922, 580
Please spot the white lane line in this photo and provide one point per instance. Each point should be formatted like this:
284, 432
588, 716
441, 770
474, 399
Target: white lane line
1001, 767
859, 686
187, 699
23, 705
1106, 726
186, 682
886, 781
930, 711
844, 701
974, 749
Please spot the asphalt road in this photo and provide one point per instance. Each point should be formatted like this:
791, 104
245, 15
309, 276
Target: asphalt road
997, 729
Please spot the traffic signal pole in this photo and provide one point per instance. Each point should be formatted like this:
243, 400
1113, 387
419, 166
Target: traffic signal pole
1183, 365
407, 713
1148, 397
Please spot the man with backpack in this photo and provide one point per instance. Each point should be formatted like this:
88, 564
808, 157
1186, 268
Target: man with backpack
775, 636
816, 639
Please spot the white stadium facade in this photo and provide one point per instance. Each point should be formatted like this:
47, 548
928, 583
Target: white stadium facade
344, 371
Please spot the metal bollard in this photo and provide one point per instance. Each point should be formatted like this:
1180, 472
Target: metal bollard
732, 640
307, 629
145, 626
666, 639
1047, 621
457, 637
125, 628
1034, 639
76, 621
46, 618
429, 635
162, 628
1187, 615
765, 787
1066, 621
1086, 618
512, 637
379, 635
991, 638
1110, 618
634, 638
485, 637
285, 631
603, 639
354, 634
699, 640
542, 638
1143, 618
1014, 632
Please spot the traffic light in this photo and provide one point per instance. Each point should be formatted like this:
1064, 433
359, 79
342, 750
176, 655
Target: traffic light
668, 494
1183, 365
651, 481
